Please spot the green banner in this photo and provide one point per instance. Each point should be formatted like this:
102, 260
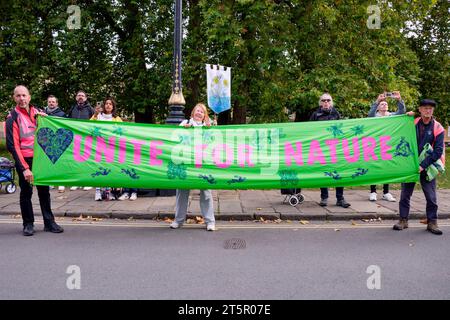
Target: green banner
262, 156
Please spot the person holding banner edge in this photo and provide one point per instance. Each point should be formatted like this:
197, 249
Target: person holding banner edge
380, 109
20, 133
429, 131
326, 111
199, 118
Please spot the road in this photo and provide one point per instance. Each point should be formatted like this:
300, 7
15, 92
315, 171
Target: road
116, 259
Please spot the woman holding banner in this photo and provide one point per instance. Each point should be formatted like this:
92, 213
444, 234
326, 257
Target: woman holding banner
199, 118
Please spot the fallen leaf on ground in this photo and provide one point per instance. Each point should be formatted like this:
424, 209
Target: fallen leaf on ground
277, 220
304, 222
354, 223
337, 230
130, 218
97, 219
288, 221
261, 219
80, 218
258, 208
168, 220
190, 221
199, 220
366, 220
423, 221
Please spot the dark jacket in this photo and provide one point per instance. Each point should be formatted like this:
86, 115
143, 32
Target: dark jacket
321, 115
426, 134
84, 111
57, 112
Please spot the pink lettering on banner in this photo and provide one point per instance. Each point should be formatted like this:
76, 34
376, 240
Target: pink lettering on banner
155, 152
106, 149
290, 152
369, 145
346, 150
384, 148
137, 150
245, 152
77, 148
229, 156
315, 153
198, 158
122, 149
332, 147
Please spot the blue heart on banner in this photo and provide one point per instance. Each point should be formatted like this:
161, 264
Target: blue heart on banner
54, 144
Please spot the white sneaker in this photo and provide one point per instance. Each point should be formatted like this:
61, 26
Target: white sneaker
210, 227
111, 196
87, 188
133, 196
175, 225
373, 196
61, 189
98, 195
124, 196
389, 197
73, 188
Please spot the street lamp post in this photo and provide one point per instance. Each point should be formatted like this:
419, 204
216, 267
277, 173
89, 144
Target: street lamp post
176, 101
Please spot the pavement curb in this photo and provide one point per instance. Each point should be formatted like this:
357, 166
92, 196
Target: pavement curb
233, 216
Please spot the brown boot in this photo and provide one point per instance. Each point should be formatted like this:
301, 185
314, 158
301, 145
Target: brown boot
433, 228
402, 224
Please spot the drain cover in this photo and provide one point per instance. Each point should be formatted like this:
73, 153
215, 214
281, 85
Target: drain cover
234, 244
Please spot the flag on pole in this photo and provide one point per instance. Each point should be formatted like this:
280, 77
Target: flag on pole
219, 87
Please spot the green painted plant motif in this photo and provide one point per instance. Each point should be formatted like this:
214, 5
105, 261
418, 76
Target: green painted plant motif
131, 173
335, 175
288, 177
336, 130
96, 131
209, 178
357, 130
403, 149
101, 172
237, 179
207, 137
359, 172
118, 130
176, 170
185, 139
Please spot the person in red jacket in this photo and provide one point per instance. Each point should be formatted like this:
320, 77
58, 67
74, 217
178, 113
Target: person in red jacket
20, 129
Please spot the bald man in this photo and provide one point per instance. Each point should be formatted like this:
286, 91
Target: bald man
20, 131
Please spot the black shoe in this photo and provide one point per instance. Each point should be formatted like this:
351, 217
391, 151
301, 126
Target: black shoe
342, 203
323, 202
53, 227
28, 230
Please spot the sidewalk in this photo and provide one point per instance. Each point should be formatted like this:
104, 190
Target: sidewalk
230, 205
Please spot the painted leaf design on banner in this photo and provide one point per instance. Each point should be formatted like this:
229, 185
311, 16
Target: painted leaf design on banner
131, 173
101, 172
403, 149
176, 170
288, 177
359, 172
357, 130
335, 175
237, 179
209, 178
336, 130
54, 144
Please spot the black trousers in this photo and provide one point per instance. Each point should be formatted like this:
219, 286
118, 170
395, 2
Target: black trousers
26, 193
373, 188
429, 190
339, 193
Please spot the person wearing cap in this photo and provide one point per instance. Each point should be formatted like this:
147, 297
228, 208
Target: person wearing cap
327, 111
429, 131
380, 108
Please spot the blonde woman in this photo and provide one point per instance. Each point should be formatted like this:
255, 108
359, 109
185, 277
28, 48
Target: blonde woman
199, 118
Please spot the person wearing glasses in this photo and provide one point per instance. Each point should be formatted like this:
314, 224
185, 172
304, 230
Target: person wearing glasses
325, 112
380, 108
